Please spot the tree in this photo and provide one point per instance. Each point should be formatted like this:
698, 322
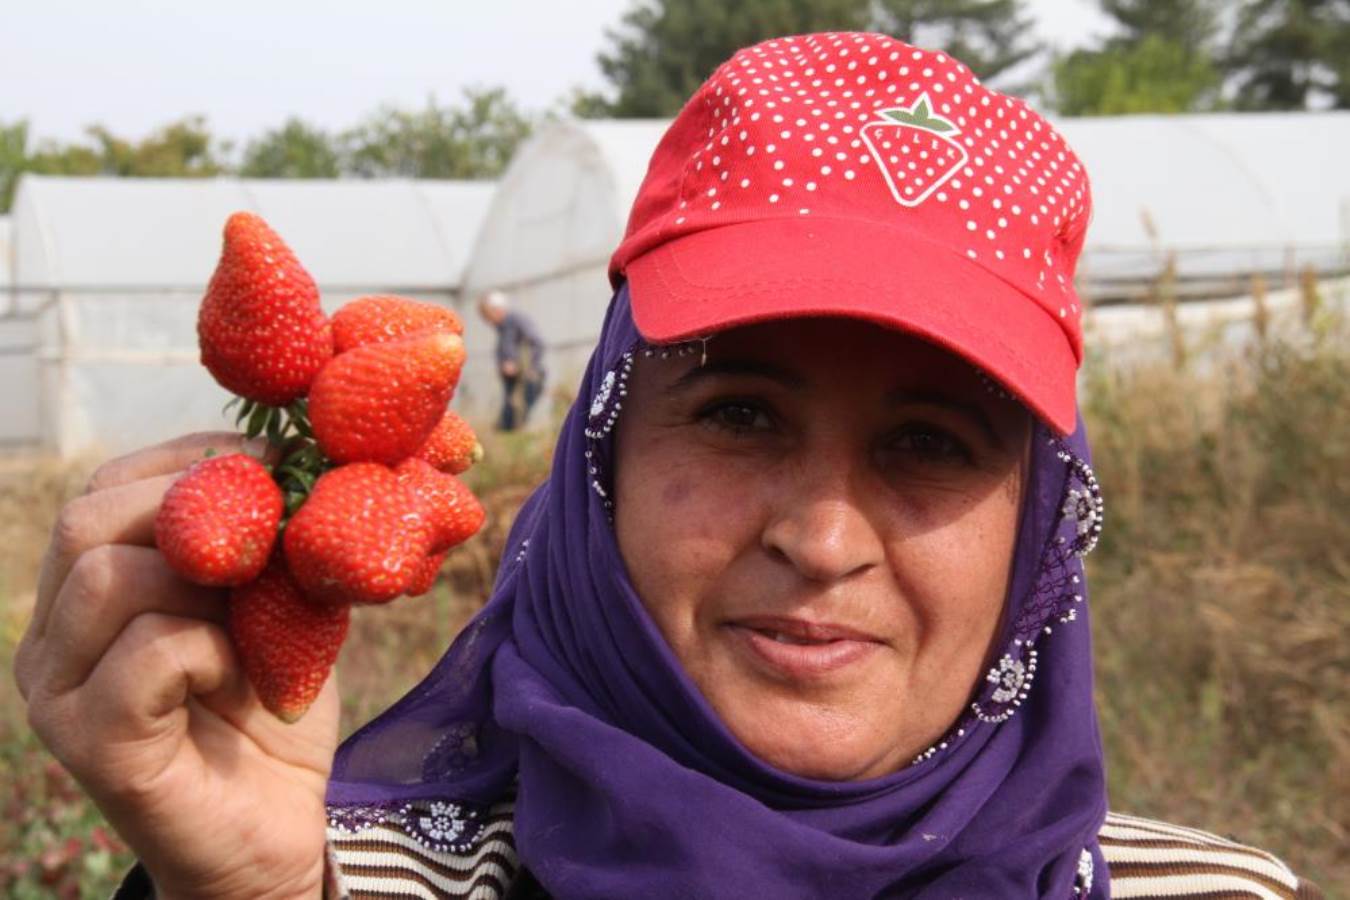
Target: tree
295, 150
13, 154
1161, 60
1287, 53
182, 149
1156, 75
474, 140
49, 158
990, 36
1190, 24
664, 49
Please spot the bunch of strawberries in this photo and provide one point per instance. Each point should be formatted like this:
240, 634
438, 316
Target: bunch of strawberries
361, 503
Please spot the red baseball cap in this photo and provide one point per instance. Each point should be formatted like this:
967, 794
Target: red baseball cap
853, 174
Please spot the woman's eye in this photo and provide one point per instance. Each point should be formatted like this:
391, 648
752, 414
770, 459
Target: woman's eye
736, 417
930, 444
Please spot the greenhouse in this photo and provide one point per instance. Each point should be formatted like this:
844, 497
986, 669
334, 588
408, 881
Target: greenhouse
107, 275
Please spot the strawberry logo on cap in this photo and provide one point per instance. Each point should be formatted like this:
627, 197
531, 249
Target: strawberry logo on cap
915, 150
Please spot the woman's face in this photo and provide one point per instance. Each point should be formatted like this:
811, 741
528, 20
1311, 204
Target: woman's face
820, 519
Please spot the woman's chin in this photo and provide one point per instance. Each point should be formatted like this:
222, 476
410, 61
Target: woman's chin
814, 741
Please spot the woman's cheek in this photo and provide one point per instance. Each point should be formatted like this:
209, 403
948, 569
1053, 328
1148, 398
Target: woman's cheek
687, 528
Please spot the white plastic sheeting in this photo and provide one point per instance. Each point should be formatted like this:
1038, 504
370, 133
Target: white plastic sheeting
547, 237
132, 232
5, 227
109, 274
17, 364
1227, 194
1232, 193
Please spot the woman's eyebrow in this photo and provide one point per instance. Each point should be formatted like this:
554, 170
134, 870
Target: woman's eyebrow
972, 411
785, 377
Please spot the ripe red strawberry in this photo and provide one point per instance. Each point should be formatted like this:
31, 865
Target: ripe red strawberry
451, 508
262, 333
915, 150
425, 579
380, 318
286, 642
452, 447
218, 522
380, 402
359, 538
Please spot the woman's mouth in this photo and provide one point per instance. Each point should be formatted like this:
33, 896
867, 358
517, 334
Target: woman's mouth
799, 650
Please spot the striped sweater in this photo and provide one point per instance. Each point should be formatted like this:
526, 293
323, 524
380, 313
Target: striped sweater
1147, 859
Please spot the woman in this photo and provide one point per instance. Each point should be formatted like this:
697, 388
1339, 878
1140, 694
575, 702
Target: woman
799, 611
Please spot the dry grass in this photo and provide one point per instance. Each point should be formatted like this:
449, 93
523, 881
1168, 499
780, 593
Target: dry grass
1221, 603
1222, 596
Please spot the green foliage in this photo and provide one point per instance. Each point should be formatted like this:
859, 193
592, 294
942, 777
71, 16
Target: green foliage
13, 154
182, 149
583, 104
53, 842
295, 150
474, 140
1191, 24
990, 36
1160, 61
1285, 53
1155, 75
664, 49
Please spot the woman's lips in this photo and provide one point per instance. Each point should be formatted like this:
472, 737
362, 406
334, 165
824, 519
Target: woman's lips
801, 650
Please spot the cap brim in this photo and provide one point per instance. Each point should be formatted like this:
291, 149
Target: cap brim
785, 268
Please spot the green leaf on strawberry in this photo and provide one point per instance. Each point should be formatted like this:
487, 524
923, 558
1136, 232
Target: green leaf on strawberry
920, 115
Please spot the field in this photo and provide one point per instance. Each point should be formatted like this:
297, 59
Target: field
1220, 594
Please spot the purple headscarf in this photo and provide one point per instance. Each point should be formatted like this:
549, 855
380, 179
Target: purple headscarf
628, 785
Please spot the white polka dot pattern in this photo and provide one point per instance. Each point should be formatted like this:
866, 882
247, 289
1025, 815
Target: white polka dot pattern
868, 128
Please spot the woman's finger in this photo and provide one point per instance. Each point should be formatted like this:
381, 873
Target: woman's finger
121, 514
157, 662
107, 588
109, 732
170, 456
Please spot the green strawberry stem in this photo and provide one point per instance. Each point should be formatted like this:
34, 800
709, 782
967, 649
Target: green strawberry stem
288, 431
920, 116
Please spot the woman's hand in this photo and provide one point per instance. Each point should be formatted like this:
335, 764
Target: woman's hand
132, 683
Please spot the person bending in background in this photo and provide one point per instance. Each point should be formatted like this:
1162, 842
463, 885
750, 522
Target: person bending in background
520, 359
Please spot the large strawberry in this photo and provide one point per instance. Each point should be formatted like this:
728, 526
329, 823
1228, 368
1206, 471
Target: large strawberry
452, 447
451, 508
217, 523
380, 318
359, 538
286, 642
425, 579
262, 333
380, 402
915, 150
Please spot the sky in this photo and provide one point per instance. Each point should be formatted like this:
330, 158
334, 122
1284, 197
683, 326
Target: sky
248, 65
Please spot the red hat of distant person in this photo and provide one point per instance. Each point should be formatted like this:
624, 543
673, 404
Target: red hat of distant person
854, 174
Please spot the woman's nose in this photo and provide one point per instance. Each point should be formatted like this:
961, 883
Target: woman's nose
818, 525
